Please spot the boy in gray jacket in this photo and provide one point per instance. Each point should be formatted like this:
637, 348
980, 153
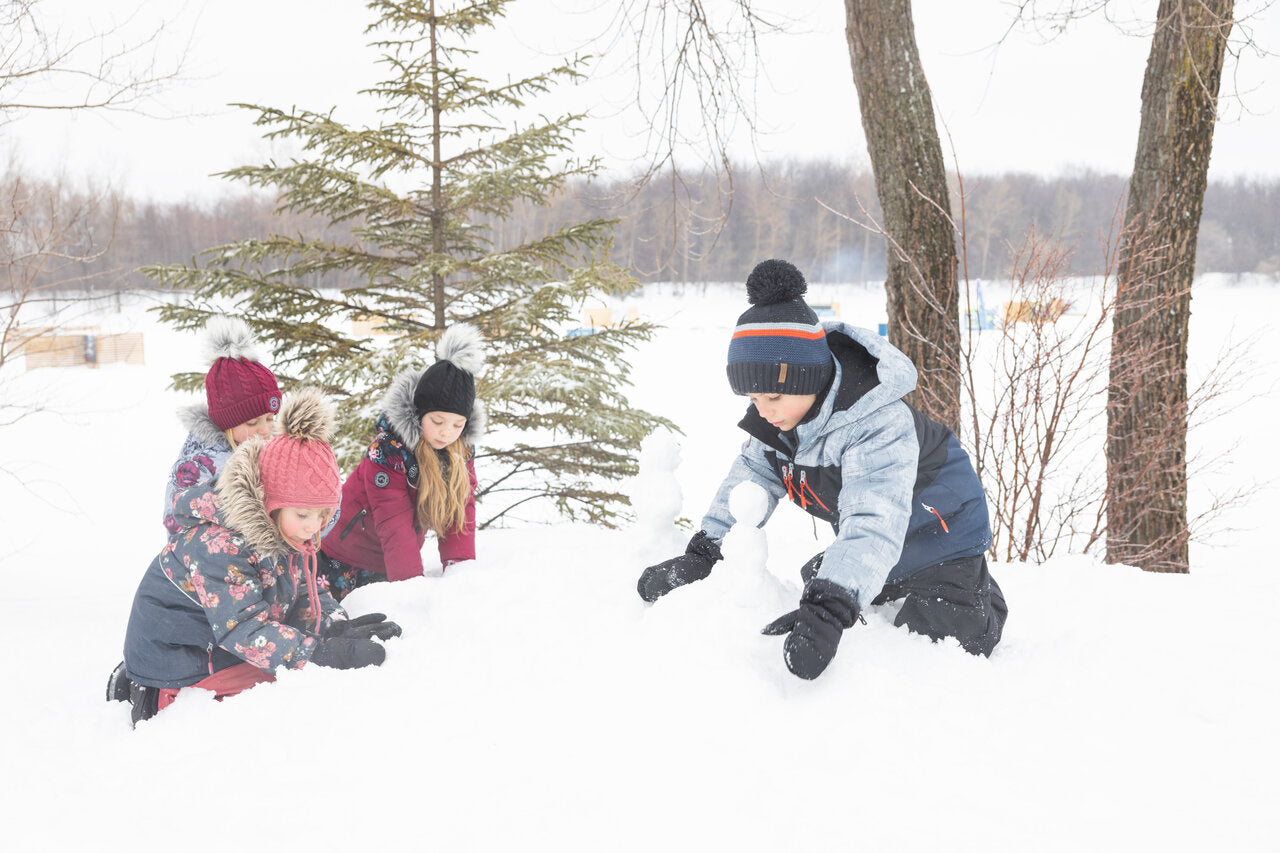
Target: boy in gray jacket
829, 431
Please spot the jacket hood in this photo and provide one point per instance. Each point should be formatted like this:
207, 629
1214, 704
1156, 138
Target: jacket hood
242, 501
870, 373
197, 421
397, 404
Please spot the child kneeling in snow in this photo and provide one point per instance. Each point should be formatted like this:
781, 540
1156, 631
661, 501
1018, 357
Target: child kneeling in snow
234, 593
828, 430
416, 476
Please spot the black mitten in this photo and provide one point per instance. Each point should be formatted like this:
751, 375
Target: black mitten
814, 629
364, 627
348, 653
693, 565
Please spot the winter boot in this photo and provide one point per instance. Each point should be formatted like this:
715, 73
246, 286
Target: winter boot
118, 685
145, 701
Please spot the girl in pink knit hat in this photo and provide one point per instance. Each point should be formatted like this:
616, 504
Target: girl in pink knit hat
417, 475
242, 399
235, 595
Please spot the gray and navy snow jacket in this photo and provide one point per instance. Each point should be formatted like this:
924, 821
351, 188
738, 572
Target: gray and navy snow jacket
226, 588
896, 486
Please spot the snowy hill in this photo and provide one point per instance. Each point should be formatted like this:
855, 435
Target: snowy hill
534, 702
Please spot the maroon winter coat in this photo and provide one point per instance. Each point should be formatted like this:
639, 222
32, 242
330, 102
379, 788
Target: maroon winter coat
377, 528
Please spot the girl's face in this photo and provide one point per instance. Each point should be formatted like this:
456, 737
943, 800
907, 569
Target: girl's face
300, 524
784, 411
441, 429
261, 425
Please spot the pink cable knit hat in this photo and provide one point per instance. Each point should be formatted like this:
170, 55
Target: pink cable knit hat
238, 387
297, 465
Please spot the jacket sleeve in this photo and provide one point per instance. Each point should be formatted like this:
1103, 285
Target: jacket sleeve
461, 545
228, 587
196, 465
750, 465
878, 472
392, 509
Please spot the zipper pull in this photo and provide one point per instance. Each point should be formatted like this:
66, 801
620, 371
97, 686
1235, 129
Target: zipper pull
804, 502
817, 499
941, 520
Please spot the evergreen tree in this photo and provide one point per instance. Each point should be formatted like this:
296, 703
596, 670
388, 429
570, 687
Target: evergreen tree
404, 213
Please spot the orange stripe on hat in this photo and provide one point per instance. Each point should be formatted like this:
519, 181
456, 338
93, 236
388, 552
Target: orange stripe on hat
815, 335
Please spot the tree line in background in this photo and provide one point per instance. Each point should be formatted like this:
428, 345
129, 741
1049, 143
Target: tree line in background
921, 215
793, 210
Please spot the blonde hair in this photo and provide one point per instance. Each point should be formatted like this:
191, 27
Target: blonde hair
325, 514
442, 506
230, 438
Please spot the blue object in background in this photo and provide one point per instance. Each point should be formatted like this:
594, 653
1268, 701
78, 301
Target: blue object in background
983, 318
883, 329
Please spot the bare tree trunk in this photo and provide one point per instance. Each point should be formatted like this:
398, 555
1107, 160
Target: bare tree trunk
911, 182
1147, 395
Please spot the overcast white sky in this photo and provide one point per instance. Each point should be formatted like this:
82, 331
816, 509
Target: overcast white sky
1029, 105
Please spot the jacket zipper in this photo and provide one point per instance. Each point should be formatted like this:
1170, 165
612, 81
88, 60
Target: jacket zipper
359, 515
816, 499
794, 491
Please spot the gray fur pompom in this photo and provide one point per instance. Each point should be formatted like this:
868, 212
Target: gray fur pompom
307, 414
463, 345
229, 337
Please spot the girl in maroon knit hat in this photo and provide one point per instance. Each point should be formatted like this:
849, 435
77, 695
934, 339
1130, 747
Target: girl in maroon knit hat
242, 398
234, 595
416, 476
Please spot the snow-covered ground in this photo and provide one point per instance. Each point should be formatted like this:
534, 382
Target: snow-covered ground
534, 702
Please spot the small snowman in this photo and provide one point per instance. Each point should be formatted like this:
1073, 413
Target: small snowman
657, 499
745, 545
745, 578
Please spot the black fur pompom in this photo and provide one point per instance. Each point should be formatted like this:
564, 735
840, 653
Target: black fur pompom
775, 281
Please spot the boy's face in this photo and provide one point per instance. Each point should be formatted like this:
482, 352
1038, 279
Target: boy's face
784, 411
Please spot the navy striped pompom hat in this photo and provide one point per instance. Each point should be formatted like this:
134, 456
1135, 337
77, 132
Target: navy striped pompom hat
778, 345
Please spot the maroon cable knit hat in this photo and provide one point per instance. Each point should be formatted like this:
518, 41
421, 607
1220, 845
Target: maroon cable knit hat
238, 387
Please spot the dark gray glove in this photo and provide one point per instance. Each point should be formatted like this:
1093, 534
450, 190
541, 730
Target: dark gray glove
364, 627
348, 653
693, 565
814, 629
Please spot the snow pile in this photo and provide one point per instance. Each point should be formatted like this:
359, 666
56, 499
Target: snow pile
535, 702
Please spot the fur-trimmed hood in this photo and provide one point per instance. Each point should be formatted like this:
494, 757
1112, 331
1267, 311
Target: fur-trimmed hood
195, 418
462, 345
305, 416
242, 501
397, 404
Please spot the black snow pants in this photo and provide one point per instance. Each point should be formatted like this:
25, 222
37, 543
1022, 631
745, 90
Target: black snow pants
957, 598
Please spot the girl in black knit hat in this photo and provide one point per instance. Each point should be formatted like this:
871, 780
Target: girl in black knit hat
829, 431
417, 475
